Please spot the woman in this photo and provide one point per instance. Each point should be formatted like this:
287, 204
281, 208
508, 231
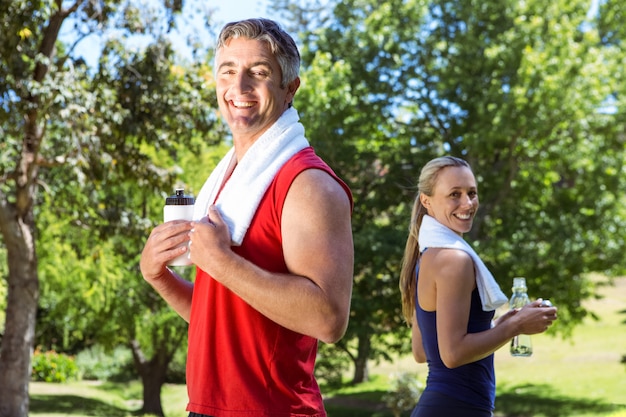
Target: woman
449, 297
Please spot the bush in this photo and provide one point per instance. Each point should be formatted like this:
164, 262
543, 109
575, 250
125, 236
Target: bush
404, 393
330, 366
98, 364
51, 366
176, 371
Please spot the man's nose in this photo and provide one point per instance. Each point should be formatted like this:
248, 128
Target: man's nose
242, 83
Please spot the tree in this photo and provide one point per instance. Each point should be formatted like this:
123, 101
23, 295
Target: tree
517, 89
612, 33
105, 301
349, 114
79, 137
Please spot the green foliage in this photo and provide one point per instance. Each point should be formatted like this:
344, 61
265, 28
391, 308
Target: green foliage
88, 156
531, 93
520, 90
177, 369
79, 280
543, 385
404, 392
330, 367
527, 118
96, 363
349, 115
51, 366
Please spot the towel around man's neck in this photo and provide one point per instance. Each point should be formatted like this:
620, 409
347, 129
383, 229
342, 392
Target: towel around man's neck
240, 196
433, 234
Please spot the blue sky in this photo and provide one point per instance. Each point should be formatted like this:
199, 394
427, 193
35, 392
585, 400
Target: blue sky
230, 10
225, 11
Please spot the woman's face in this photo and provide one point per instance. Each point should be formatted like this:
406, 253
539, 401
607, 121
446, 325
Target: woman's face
455, 199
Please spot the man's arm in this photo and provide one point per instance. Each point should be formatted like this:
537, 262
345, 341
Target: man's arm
162, 246
314, 297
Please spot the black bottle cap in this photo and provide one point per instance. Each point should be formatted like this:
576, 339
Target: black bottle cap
179, 199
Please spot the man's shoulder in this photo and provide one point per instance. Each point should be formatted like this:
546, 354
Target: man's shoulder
306, 157
307, 165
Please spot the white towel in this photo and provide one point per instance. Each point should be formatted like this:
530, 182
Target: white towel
240, 197
433, 234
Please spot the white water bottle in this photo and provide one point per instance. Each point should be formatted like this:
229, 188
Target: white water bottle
521, 345
179, 207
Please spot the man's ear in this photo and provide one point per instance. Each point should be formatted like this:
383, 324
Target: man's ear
292, 87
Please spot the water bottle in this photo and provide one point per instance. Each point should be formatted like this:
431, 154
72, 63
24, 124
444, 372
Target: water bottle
521, 344
179, 206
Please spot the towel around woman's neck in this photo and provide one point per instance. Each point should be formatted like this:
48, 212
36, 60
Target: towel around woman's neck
433, 234
240, 196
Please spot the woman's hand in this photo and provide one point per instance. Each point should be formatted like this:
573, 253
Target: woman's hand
533, 318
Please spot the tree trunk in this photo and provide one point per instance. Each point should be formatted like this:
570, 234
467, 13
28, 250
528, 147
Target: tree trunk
17, 226
152, 373
23, 296
152, 385
361, 372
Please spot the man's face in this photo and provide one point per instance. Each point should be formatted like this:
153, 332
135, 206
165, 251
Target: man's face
248, 87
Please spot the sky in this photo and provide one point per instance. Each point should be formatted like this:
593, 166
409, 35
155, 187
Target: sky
225, 11
230, 10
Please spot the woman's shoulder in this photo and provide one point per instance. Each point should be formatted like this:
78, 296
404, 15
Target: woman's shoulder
447, 262
445, 255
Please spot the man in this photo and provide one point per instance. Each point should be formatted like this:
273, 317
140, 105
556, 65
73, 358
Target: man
271, 240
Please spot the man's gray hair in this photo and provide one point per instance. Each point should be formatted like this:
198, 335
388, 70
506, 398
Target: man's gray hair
281, 44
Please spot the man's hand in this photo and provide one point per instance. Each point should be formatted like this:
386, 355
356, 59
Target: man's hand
166, 242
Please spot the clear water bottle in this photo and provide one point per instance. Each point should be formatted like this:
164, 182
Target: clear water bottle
179, 207
521, 345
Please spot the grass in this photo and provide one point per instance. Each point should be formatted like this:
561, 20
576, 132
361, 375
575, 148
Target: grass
95, 399
581, 377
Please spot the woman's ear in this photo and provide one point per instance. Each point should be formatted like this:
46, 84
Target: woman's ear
425, 201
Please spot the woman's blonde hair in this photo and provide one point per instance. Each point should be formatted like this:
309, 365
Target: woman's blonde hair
426, 184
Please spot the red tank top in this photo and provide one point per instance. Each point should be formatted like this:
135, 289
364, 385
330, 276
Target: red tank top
240, 363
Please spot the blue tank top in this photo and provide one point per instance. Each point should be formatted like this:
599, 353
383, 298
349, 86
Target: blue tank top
473, 383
